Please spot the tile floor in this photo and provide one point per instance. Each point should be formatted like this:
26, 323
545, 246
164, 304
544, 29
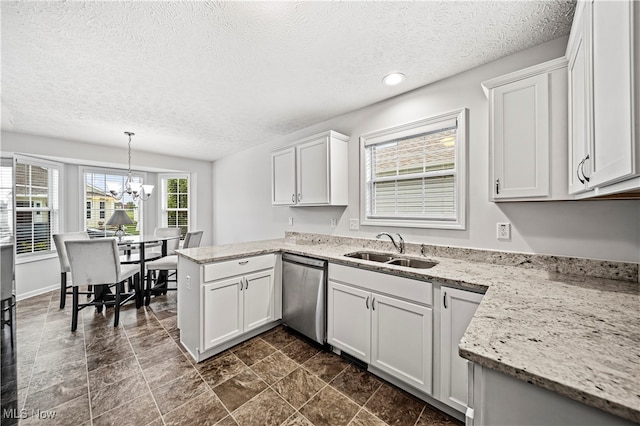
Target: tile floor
137, 374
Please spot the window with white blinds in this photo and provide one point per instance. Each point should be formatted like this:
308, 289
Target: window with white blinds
100, 205
414, 174
37, 204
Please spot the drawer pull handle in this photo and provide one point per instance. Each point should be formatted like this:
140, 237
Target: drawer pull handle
293, 198
578, 170
246, 284
241, 283
367, 302
444, 300
373, 304
587, 178
244, 262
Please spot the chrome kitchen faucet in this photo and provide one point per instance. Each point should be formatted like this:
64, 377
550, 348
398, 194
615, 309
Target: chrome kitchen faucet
399, 245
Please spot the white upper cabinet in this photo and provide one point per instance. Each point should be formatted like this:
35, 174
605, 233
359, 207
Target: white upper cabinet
603, 52
527, 133
313, 172
283, 175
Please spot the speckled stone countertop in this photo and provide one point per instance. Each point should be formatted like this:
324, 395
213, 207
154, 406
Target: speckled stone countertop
578, 336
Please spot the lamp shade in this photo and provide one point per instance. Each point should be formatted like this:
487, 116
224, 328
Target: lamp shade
119, 217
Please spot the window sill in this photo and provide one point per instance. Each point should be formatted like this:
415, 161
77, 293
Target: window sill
35, 257
406, 223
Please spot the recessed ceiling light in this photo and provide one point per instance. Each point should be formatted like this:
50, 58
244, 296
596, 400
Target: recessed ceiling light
393, 78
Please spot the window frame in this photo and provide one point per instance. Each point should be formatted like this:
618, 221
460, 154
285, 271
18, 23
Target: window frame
55, 208
82, 170
164, 211
407, 130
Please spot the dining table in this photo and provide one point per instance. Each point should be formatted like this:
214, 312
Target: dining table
142, 244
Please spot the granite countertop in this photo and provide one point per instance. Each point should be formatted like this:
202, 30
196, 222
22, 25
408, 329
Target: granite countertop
578, 336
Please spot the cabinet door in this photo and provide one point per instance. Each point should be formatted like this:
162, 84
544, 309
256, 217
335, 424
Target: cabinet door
520, 138
612, 153
283, 177
221, 312
258, 299
401, 340
458, 308
313, 171
349, 320
579, 54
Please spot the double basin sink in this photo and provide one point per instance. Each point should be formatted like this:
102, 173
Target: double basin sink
393, 259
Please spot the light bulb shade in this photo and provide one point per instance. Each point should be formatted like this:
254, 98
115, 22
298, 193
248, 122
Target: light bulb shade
119, 217
147, 189
135, 187
114, 187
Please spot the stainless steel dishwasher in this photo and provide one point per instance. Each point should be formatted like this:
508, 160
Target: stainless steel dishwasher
304, 295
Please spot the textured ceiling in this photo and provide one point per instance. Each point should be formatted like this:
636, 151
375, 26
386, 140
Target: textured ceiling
205, 79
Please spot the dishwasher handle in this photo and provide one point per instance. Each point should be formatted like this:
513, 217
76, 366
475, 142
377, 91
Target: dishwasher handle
305, 261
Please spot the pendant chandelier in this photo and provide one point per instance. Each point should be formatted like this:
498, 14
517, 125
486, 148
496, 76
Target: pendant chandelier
135, 190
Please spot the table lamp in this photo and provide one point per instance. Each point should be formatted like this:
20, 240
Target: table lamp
119, 219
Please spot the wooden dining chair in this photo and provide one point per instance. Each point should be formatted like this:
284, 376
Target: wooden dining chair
97, 263
59, 240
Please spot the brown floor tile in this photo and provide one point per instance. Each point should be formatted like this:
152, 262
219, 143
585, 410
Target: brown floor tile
356, 383
143, 343
73, 412
266, 409
365, 418
59, 357
432, 417
227, 421
165, 313
116, 394
167, 370
300, 351
329, 408
112, 373
57, 394
165, 350
298, 387
394, 406
220, 368
253, 351
326, 365
278, 337
274, 367
139, 411
239, 389
175, 393
108, 356
297, 420
203, 410
170, 324
56, 374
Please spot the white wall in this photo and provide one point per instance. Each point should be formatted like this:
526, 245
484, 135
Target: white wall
35, 277
594, 229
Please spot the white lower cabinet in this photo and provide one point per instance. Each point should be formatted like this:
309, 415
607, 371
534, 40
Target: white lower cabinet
389, 333
236, 305
220, 304
401, 340
456, 312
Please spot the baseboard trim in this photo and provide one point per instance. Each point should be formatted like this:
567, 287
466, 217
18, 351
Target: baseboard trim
37, 292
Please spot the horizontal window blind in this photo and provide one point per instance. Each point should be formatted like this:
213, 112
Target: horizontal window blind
413, 177
6, 200
37, 205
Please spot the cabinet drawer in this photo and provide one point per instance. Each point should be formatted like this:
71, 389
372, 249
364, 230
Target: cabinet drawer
229, 268
393, 285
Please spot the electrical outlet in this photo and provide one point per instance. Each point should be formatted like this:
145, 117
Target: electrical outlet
290, 221
354, 224
188, 283
333, 222
504, 231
